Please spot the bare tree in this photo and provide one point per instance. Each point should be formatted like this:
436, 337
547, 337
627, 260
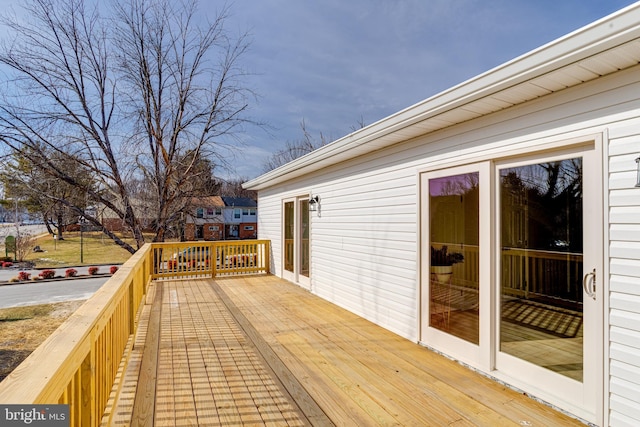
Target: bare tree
233, 188
43, 194
126, 96
24, 245
295, 149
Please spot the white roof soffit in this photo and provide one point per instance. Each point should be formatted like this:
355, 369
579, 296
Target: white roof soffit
603, 47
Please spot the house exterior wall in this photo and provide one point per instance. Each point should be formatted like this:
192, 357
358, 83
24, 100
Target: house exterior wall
240, 222
245, 215
624, 273
365, 253
212, 225
211, 230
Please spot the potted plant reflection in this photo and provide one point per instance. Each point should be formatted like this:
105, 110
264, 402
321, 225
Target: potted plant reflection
442, 262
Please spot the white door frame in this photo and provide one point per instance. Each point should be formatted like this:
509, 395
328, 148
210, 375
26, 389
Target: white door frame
295, 276
474, 355
586, 400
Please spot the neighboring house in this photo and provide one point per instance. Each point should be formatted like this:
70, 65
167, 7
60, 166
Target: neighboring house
114, 223
206, 221
240, 218
528, 172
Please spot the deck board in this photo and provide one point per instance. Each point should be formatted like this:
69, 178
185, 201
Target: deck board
261, 351
208, 372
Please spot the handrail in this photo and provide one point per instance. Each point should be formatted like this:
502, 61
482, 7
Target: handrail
210, 259
78, 364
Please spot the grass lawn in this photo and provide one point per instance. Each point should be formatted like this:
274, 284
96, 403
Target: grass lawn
22, 329
96, 249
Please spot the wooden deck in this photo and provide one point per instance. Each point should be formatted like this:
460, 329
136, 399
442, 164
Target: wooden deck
261, 351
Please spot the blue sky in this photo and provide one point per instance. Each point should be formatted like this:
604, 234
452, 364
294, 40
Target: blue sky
334, 63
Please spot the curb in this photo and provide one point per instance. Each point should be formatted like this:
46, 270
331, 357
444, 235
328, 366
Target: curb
55, 279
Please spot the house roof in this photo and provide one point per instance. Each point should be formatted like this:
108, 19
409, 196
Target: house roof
603, 47
239, 202
207, 202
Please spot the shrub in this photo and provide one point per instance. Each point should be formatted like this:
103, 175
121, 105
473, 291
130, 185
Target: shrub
71, 272
23, 275
47, 274
171, 264
93, 271
24, 245
113, 269
193, 263
6, 264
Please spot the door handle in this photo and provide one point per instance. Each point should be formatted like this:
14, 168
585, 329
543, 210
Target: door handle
589, 286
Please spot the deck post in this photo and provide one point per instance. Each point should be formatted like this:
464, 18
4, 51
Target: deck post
267, 260
87, 411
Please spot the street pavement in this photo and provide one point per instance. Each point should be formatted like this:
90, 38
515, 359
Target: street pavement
50, 291
8, 228
45, 292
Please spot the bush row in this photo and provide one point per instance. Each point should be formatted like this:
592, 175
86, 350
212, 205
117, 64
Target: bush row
50, 274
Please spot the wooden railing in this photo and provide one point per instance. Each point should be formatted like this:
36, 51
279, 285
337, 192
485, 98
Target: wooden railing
528, 273
78, 364
525, 273
210, 259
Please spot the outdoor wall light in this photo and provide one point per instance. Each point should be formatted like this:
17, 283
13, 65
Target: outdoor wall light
314, 203
638, 175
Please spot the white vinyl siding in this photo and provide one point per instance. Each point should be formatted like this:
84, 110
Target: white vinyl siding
364, 238
624, 282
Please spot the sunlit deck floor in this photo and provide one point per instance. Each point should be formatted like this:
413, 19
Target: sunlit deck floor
261, 351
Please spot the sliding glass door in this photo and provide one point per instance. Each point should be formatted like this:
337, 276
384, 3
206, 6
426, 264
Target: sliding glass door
512, 255
549, 264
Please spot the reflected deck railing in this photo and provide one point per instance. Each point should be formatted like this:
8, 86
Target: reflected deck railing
78, 364
524, 273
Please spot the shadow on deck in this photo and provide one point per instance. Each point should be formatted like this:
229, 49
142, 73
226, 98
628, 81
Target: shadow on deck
261, 351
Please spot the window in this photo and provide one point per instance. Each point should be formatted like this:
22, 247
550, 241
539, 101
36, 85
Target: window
214, 228
200, 213
210, 212
248, 227
252, 212
218, 211
245, 212
237, 213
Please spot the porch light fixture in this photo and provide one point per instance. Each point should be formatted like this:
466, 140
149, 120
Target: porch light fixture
638, 176
314, 203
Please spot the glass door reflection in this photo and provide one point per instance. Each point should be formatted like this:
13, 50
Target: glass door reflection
454, 258
289, 227
541, 232
304, 237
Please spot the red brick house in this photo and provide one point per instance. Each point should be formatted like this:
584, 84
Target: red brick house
206, 219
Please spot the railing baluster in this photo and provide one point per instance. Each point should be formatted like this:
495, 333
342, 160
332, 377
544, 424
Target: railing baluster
90, 345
